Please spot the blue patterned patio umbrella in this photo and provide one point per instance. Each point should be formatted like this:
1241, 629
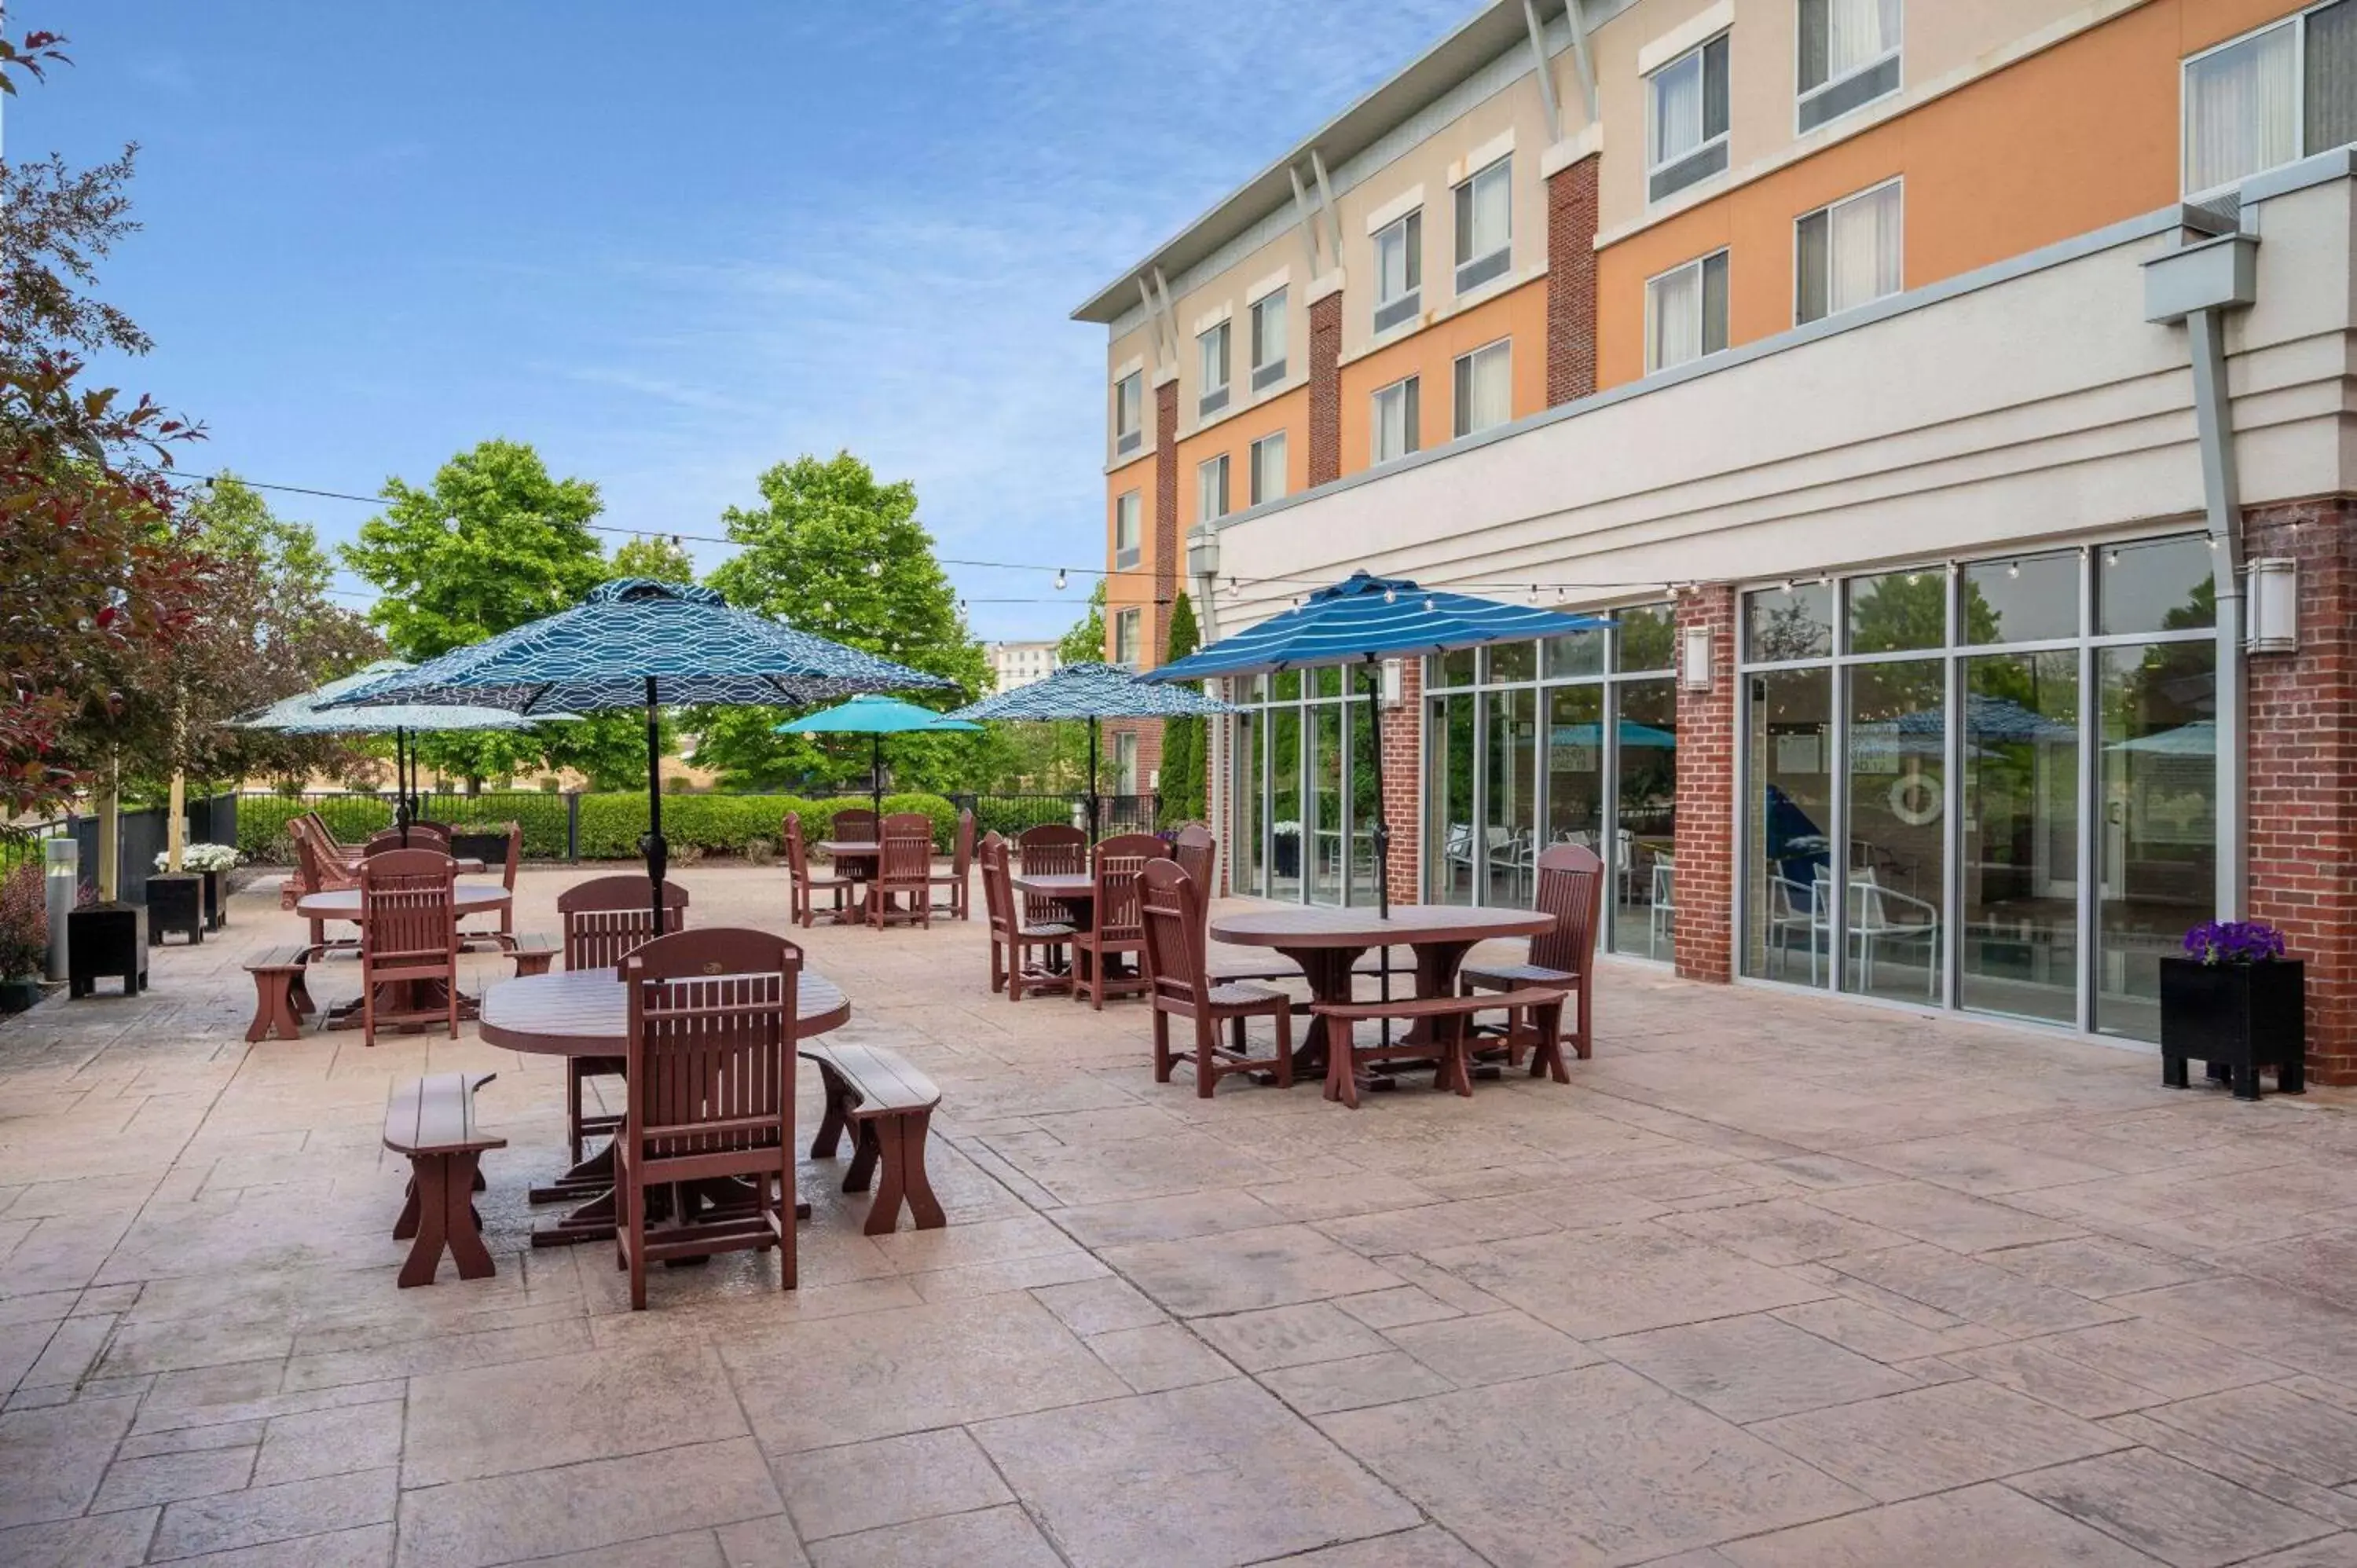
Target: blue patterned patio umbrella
1359, 620
639, 643
875, 717
302, 715
1093, 692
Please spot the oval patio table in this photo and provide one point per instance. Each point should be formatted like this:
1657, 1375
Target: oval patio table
1327, 943
416, 995
587, 1012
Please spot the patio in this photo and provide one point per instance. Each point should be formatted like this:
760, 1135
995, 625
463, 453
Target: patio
1774, 1282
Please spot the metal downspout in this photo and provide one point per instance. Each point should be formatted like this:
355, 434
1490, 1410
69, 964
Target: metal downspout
2221, 498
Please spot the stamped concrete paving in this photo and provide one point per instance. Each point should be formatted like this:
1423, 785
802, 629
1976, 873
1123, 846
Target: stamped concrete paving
1773, 1281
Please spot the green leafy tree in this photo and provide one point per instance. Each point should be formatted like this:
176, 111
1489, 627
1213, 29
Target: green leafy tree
656, 557
1181, 785
1085, 643
833, 550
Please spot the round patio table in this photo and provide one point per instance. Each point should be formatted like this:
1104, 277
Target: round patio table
857, 857
405, 996
587, 1012
1327, 943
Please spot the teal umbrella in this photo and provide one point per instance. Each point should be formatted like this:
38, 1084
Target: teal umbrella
875, 717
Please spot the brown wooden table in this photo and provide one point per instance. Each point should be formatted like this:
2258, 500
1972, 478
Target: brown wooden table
860, 860
410, 995
1077, 892
1327, 943
587, 1012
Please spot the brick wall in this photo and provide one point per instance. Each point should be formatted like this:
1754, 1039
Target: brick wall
1704, 888
1403, 764
2303, 772
1571, 282
1169, 542
1326, 389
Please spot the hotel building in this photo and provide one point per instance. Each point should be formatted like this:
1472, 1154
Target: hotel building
1949, 407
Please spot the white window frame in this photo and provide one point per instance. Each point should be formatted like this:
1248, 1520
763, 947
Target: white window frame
1128, 438
1722, 143
1271, 306
1211, 478
1273, 444
1406, 305
1898, 180
1131, 622
1410, 390
1464, 200
2298, 20
1802, 95
1703, 351
1459, 416
1212, 396
1128, 509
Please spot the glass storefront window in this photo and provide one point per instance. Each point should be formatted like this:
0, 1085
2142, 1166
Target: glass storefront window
1578, 653
1365, 777
1449, 794
1322, 832
2033, 598
1444, 669
2020, 868
1325, 681
1782, 624
2157, 850
1897, 802
1899, 612
1575, 780
1285, 854
2159, 585
1510, 823
1644, 638
1510, 662
1789, 823
1285, 686
1252, 757
1646, 782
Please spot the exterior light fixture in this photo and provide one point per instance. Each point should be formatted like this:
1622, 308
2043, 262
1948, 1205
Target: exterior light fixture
2111, 557
1060, 579
2275, 605
1534, 593
1391, 596
1428, 606
1693, 665
2013, 568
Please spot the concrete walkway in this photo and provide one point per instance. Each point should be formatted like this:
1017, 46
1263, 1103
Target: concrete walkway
1773, 1281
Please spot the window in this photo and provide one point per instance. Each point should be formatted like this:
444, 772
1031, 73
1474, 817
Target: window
1849, 56
1688, 133
2271, 97
1399, 271
1124, 759
1126, 636
1686, 313
1268, 468
1396, 420
1485, 389
1212, 348
1485, 226
1268, 340
1128, 530
1212, 489
1128, 412
1850, 253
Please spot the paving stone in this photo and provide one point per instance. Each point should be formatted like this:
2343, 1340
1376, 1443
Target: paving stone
1928, 1440
1622, 1279
889, 1481
1238, 1271
1974, 1290
574, 1507
1323, 1387
1748, 1368
1289, 1335
2308, 1437
995, 1538
1976, 1527
2172, 1510
265, 1514
1952, 1219
52, 1460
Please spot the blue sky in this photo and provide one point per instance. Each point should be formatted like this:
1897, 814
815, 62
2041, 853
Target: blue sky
670, 246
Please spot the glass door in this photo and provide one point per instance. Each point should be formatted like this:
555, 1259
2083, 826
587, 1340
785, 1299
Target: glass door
2018, 952
1789, 817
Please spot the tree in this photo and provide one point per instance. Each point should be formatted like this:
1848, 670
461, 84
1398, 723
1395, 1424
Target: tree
835, 551
1085, 643
656, 557
1181, 785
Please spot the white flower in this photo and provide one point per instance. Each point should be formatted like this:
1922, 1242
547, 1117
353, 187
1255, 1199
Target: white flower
201, 857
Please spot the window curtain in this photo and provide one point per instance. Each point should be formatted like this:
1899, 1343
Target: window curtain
2241, 109
1268, 470
1676, 335
2331, 97
1858, 33
1865, 255
1485, 389
1492, 211
1215, 345
1268, 330
1677, 109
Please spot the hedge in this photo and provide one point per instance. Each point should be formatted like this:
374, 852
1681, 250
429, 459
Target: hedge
1009, 816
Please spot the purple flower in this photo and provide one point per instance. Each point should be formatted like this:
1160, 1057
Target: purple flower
2234, 941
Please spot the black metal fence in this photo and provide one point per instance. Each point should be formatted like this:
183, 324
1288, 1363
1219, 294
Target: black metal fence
143, 834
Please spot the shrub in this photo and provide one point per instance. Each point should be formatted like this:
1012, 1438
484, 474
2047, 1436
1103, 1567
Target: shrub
24, 923
1008, 815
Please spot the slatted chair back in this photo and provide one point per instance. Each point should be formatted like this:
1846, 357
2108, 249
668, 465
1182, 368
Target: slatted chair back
420, 837
711, 1045
514, 856
997, 896
1170, 912
408, 908
961, 846
1570, 888
790, 835
1119, 860
1052, 849
323, 865
606, 919
1197, 850
907, 856
444, 829
855, 825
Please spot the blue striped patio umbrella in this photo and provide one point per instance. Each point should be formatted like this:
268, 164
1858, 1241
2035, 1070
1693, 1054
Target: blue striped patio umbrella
639, 643
1095, 692
1360, 620
875, 717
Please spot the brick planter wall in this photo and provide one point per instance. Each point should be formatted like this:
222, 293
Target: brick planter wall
1571, 282
1326, 389
2303, 772
1403, 767
1704, 886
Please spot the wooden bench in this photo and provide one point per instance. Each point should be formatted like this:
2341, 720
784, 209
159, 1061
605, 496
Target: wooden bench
532, 953
281, 1001
887, 1106
1270, 966
431, 1121
1533, 1015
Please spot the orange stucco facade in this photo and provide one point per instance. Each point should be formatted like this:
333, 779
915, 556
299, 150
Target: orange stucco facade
1519, 315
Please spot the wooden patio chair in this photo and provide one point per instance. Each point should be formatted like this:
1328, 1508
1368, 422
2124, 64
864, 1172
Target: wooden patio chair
1052, 849
961, 872
803, 884
710, 1099
1571, 888
318, 870
505, 935
1197, 850
409, 935
605, 919
338, 851
422, 835
1179, 983
904, 868
856, 824
1013, 939
1115, 926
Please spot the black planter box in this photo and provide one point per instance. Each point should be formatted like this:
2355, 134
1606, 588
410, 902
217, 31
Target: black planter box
492, 849
16, 995
1286, 850
2238, 1016
175, 903
106, 942
216, 899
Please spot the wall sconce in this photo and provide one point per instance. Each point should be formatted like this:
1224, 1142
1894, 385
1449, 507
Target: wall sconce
1694, 668
2274, 605
1395, 678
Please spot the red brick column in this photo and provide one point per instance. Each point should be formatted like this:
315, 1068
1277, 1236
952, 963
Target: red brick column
2303, 772
1705, 888
1571, 281
1326, 389
1403, 771
1169, 540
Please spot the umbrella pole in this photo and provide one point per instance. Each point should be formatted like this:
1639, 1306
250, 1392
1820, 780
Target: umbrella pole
401, 811
876, 783
658, 853
1382, 832
1092, 778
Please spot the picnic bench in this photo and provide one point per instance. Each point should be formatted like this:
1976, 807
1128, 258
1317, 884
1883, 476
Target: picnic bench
532, 953
887, 1106
432, 1119
1441, 1035
281, 1002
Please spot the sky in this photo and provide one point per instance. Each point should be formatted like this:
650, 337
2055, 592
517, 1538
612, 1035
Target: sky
671, 246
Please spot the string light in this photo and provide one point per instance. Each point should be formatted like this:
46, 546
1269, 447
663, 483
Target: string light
2013, 568
1534, 593
1391, 596
1429, 607
1060, 579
